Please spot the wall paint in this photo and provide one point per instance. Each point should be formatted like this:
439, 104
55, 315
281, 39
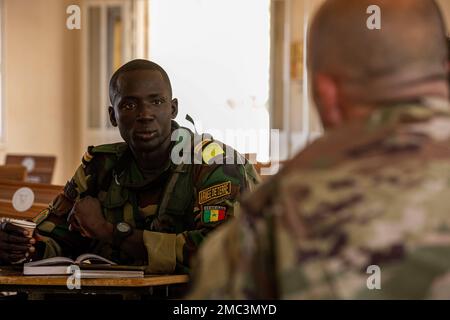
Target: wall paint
40, 82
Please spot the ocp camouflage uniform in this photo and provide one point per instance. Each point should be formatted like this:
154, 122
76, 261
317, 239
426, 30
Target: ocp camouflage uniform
176, 207
362, 213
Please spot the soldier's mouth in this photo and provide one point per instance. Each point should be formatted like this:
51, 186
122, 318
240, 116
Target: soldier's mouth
145, 135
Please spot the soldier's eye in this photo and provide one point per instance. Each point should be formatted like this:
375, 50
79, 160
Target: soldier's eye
157, 101
128, 106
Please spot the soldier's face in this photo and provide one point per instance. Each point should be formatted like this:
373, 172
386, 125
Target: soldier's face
143, 110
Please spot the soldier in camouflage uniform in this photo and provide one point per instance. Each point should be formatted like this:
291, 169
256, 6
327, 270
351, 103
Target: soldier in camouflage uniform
363, 212
130, 201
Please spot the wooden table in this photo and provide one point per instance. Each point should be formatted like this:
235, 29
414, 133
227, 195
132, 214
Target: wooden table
11, 279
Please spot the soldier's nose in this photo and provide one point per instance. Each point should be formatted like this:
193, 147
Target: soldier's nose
145, 113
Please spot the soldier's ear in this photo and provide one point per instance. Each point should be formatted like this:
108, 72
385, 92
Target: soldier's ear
327, 100
174, 107
112, 116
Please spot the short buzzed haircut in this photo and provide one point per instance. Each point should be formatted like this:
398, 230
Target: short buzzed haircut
412, 37
137, 64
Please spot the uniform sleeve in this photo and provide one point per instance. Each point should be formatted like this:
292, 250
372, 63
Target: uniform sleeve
57, 239
241, 257
219, 254
218, 188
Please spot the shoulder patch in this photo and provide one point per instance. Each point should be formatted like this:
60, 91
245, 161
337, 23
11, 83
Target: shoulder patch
211, 151
109, 148
41, 216
214, 214
214, 192
87, 157
200, 145
115, 149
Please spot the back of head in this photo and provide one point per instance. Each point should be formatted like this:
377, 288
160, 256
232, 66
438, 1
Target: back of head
408, 49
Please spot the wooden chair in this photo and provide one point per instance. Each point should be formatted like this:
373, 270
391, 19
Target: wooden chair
40, 168
259, 166
7, 210
43, 193
13, 172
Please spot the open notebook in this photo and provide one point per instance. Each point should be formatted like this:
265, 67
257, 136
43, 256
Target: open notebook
91, 266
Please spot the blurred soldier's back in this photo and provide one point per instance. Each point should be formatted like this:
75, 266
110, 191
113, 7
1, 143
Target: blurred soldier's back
364, 212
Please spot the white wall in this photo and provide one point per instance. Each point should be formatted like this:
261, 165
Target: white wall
445, 6
40, 82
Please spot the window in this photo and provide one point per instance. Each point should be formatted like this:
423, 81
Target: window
114, 33
292, 110
217, 53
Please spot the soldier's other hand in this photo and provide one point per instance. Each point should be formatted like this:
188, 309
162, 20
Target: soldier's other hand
15, 245
87, 217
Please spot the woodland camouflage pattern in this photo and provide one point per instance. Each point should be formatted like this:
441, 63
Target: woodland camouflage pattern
166, 206
373, 193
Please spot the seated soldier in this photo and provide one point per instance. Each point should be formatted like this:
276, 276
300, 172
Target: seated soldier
130, 201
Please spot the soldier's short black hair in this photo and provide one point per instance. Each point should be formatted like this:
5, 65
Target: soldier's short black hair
137, 64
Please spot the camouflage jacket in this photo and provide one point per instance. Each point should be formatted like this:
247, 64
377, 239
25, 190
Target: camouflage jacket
176, 208
362, 213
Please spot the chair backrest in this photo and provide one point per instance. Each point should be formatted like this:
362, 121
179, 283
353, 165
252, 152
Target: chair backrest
43, 193
13, 172
40, 168
260, 166
7, 210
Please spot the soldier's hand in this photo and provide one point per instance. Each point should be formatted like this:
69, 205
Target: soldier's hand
15, 245
87, 217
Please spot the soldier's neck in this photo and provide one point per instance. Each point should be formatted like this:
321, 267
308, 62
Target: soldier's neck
153, 160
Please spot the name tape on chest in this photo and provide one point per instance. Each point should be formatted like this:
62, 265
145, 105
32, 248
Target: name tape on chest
214, 192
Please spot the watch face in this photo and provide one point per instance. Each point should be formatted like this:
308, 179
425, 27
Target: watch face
123, 227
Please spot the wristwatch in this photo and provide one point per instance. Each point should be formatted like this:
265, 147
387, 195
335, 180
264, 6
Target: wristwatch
121, 231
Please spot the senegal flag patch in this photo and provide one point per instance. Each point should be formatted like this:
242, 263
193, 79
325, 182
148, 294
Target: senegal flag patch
214, 213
